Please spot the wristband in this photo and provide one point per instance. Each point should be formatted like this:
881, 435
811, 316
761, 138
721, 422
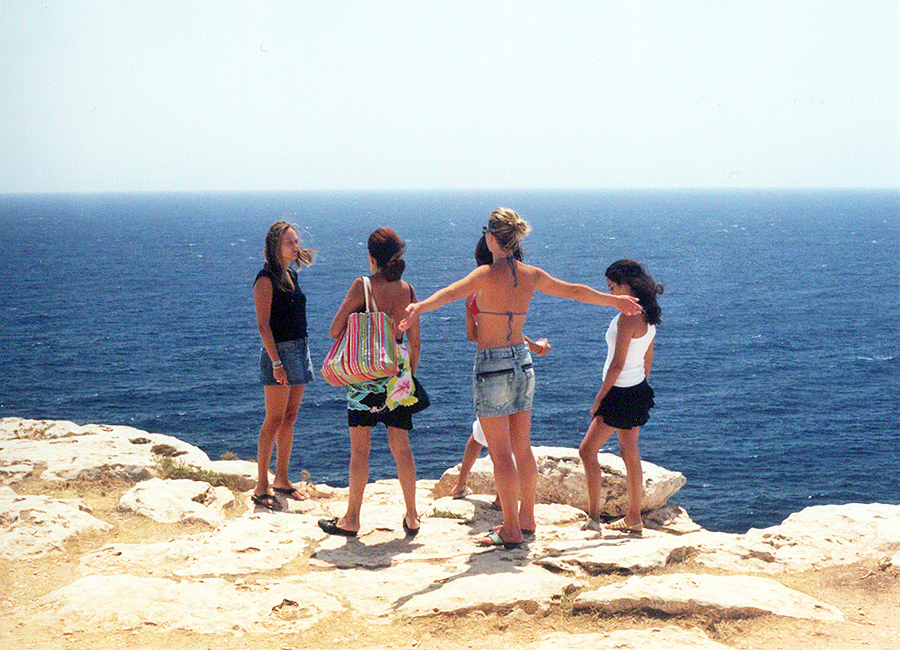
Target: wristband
277, 364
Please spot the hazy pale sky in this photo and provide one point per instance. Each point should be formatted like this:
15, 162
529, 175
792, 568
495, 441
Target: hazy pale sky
297, 95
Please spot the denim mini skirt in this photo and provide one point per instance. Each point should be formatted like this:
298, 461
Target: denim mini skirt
503, 381
297, 363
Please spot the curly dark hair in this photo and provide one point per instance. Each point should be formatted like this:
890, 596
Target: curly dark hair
644, 287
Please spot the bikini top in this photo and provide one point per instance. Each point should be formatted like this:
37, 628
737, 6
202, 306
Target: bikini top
474, 306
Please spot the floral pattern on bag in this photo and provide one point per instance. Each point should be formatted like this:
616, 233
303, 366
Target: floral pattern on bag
398, 390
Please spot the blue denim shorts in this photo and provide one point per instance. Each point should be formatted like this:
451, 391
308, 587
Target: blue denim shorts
297, 363
503, 381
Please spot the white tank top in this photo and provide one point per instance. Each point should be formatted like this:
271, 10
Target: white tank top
633, 372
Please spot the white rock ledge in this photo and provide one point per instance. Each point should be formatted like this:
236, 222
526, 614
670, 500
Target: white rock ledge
255, 570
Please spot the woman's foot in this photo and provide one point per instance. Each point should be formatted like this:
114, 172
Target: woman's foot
591, 524
620, 525
331, 527
291, 492
493, 539
411, 532
460, 493
266, 501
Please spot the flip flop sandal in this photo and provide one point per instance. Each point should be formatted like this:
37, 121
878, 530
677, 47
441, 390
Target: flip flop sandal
619, 525
493, 539
591, 524
291, 493
266, 501
331, 527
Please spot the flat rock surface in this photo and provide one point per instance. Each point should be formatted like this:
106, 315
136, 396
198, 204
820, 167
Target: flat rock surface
124, 558
736, 596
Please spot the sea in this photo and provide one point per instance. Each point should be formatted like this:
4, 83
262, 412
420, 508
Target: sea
776, 370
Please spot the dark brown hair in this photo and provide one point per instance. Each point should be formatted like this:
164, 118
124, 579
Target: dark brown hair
387, 248
645, 288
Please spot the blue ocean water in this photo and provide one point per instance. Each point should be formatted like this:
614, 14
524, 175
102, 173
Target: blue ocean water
776, 369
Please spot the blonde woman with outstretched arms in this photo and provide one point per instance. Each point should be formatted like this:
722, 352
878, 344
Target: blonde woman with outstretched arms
503, 381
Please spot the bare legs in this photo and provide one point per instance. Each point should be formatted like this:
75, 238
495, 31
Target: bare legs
398, 439
359, 476
628, 449
282, 404
470, 455
597, 435
509, 437
360, 444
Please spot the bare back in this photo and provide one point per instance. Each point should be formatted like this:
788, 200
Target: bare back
391, 297
503, 297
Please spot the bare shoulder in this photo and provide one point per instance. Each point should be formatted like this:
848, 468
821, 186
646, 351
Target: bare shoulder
263, 285
536, 275
409, 290
635, 324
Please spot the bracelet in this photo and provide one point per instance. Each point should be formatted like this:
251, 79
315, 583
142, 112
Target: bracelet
277, 364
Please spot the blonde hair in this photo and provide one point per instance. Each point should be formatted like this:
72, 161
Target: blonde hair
508, 228
273, 257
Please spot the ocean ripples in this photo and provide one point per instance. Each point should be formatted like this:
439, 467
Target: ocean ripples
776, 368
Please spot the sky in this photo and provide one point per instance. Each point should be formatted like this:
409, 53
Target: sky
99, 96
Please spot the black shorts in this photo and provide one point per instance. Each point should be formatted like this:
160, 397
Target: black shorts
399, 418
626, 408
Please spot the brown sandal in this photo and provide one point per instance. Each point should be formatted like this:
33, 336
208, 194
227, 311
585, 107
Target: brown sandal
620, 526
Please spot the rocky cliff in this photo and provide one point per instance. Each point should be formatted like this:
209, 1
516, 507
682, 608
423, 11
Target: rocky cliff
111, 536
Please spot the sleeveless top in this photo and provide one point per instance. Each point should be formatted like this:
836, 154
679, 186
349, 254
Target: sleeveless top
633, 371
288, 316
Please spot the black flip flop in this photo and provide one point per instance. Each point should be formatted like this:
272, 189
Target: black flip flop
331, 527
267, 501
291, 493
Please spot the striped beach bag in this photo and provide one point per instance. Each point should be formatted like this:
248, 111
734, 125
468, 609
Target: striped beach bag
366, 351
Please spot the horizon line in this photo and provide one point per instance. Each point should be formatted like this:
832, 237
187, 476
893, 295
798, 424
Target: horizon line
799, 188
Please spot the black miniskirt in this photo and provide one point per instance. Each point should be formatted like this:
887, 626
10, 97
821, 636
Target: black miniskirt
626, 408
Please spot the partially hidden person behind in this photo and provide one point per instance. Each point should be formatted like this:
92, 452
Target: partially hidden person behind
477, 441
625, 398
391, 400
285, 366
503, 377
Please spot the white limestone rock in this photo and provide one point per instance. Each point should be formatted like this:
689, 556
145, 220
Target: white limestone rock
33, 526
480, 507
208, 606
240, 474
736, 596
253, 543
600, 553
184, 500
814, 538
657, 638
64, 451
561, 480
14, 472
483, 580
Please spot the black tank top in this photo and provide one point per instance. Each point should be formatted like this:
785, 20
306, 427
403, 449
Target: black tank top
288, 317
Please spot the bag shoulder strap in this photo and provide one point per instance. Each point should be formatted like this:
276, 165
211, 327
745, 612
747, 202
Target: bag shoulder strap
370, 295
